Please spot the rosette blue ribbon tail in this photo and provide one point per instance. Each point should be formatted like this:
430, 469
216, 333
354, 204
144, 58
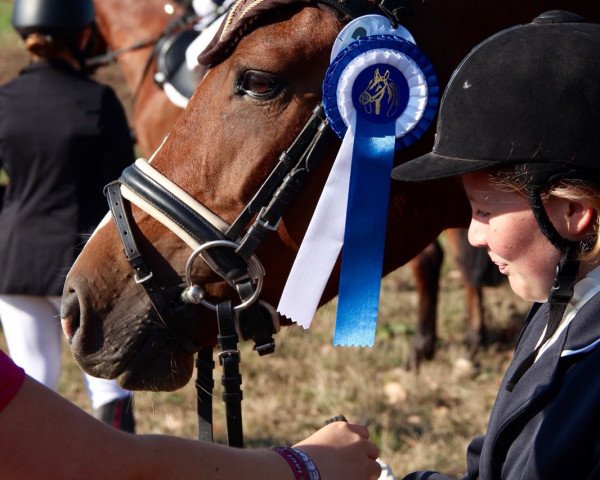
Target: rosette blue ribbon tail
364, 237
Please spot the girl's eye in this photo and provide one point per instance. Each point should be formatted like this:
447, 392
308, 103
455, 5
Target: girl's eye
259, 85
480, 214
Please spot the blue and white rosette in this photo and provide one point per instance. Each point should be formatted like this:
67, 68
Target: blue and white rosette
380, 94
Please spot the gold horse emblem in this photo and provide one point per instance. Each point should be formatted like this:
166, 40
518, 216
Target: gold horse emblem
380, 87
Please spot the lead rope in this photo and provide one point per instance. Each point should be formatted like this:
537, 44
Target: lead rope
231, 379
204, 393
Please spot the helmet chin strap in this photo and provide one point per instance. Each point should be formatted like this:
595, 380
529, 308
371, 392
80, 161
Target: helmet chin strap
546, 226
567, 272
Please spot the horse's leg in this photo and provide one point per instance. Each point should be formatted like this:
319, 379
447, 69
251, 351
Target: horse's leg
426, 269
470, 262
475, 334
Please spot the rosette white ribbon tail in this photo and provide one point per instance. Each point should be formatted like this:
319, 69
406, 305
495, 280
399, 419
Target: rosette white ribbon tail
322, 242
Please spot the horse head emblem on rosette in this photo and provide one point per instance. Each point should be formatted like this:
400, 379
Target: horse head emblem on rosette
380, 88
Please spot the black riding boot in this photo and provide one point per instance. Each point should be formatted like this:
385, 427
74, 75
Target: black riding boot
118, 413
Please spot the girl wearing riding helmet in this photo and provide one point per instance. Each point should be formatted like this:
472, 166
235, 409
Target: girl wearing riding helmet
520, 124
63, 136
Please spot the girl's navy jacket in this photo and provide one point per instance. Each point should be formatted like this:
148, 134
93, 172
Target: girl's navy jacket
548, 427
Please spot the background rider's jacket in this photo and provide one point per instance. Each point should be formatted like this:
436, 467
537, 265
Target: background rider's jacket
63, 136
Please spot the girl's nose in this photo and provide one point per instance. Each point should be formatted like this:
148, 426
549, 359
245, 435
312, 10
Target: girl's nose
477, 233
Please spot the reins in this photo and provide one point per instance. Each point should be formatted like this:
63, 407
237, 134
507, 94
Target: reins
177, 24
112, 55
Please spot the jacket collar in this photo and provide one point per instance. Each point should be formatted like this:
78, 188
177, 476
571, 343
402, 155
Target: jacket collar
584, 330
55, 63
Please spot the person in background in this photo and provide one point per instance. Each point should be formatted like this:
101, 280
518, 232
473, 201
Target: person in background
519, 123
63, 136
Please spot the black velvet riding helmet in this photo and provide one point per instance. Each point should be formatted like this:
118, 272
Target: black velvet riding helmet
526, 98
62, 20
529, 98
529, 94
51, 16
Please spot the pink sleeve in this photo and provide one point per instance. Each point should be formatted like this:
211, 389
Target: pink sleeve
11, 379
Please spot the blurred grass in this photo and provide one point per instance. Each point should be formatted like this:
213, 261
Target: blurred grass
12, 51
12, 55
420, 420
5, 15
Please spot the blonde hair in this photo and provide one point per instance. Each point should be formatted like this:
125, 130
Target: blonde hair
578, 191
44, 46
588, 194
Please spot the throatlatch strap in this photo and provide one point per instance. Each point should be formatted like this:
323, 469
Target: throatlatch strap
229, 358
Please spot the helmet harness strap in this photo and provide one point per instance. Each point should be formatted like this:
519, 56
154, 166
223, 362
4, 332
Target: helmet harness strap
567, 272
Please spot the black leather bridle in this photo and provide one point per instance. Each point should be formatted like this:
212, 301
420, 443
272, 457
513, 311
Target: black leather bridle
230, 252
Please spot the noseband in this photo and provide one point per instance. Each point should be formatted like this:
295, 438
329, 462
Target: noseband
229, 250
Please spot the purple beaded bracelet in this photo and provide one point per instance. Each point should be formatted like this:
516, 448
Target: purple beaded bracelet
300, 463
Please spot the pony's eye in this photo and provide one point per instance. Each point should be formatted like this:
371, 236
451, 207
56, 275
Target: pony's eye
259, 85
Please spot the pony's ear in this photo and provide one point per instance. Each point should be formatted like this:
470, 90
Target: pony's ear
377, 74
387, 75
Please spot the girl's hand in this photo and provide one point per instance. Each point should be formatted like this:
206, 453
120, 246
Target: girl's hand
343, 451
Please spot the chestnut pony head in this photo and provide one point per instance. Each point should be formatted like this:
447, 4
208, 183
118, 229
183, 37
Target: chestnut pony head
264, 80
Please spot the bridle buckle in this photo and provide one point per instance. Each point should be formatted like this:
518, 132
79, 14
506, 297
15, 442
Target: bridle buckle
139, 280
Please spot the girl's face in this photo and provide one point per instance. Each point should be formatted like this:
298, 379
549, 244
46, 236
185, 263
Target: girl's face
503, 223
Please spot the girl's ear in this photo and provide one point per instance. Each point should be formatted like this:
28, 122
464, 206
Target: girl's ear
580, 219
572, 220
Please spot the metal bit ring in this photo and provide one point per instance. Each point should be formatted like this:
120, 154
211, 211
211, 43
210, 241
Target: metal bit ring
255, 269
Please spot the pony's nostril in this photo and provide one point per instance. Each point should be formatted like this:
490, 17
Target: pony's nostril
69, 313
